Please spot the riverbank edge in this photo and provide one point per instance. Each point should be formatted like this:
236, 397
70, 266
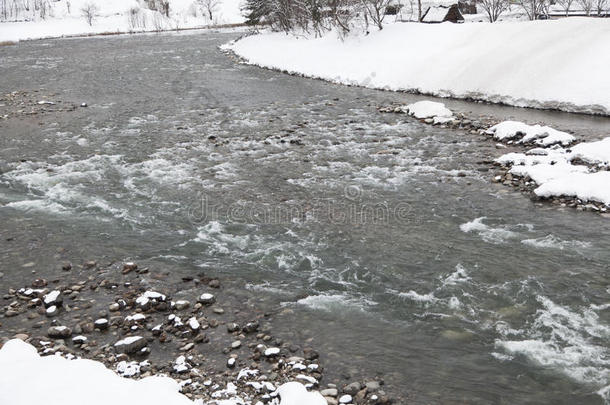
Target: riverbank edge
496, 99
117, 33
122, 315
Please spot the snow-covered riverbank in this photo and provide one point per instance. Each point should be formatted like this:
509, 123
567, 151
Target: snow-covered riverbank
65, 18
62, 381
559, 64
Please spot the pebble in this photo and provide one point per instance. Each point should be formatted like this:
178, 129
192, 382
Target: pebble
250, 327
329, 392
272, 352
52, 298
59, 332
182, 305
345, 399
52, 311
372, 386
187, 347
130, 344
236, 344
21, 336
352, 389
207, 299
101, 324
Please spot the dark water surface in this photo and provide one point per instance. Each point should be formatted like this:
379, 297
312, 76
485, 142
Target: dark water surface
380, 237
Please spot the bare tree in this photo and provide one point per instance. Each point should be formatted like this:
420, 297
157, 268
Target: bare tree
209, 7
534, 8
375, 10
494, 8
565, 4
601, 6
89, 11
164, 7
587, 5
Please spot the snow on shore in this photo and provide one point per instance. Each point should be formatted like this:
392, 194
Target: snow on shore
27, 378
561, 64
557, 171
65, 19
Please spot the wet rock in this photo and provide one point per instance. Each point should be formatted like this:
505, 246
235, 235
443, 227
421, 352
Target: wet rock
114, 307
372, 386
59, 332
236, 345
182, 305
329, 392
251, 327
21, 336
53, 298
101, 324
232, 327
130, 345
79, 340
129, 267
214, 283
187, 347
90, 264
207, 299
51, 311
345, 399
310, 354
352, 389
39, 283
272, 352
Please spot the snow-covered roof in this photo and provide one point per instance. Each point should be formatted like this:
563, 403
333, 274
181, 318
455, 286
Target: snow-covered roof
436, 14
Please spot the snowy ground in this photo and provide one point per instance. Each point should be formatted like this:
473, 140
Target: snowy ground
556, 168
61, 381
65, 19
531, 64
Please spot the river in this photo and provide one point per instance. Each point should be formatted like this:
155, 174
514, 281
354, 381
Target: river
381, 238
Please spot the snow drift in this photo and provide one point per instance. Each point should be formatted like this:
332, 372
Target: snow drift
560, 64
27, 378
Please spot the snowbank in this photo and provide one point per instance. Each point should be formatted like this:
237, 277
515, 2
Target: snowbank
59, 381
112, 16
540, 64
541, 135
556, 172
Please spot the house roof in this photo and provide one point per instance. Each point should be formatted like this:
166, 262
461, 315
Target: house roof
436, 14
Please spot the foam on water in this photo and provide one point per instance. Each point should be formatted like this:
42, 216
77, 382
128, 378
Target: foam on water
335, 303
491, 234
553, 242
573, 342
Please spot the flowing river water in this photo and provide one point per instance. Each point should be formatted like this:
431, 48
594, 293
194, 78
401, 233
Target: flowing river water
379, 237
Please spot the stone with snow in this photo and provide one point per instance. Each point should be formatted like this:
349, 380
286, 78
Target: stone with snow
272, 352
52, 298
59, 332
538, 134
428, 109
130, 345
207, 299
